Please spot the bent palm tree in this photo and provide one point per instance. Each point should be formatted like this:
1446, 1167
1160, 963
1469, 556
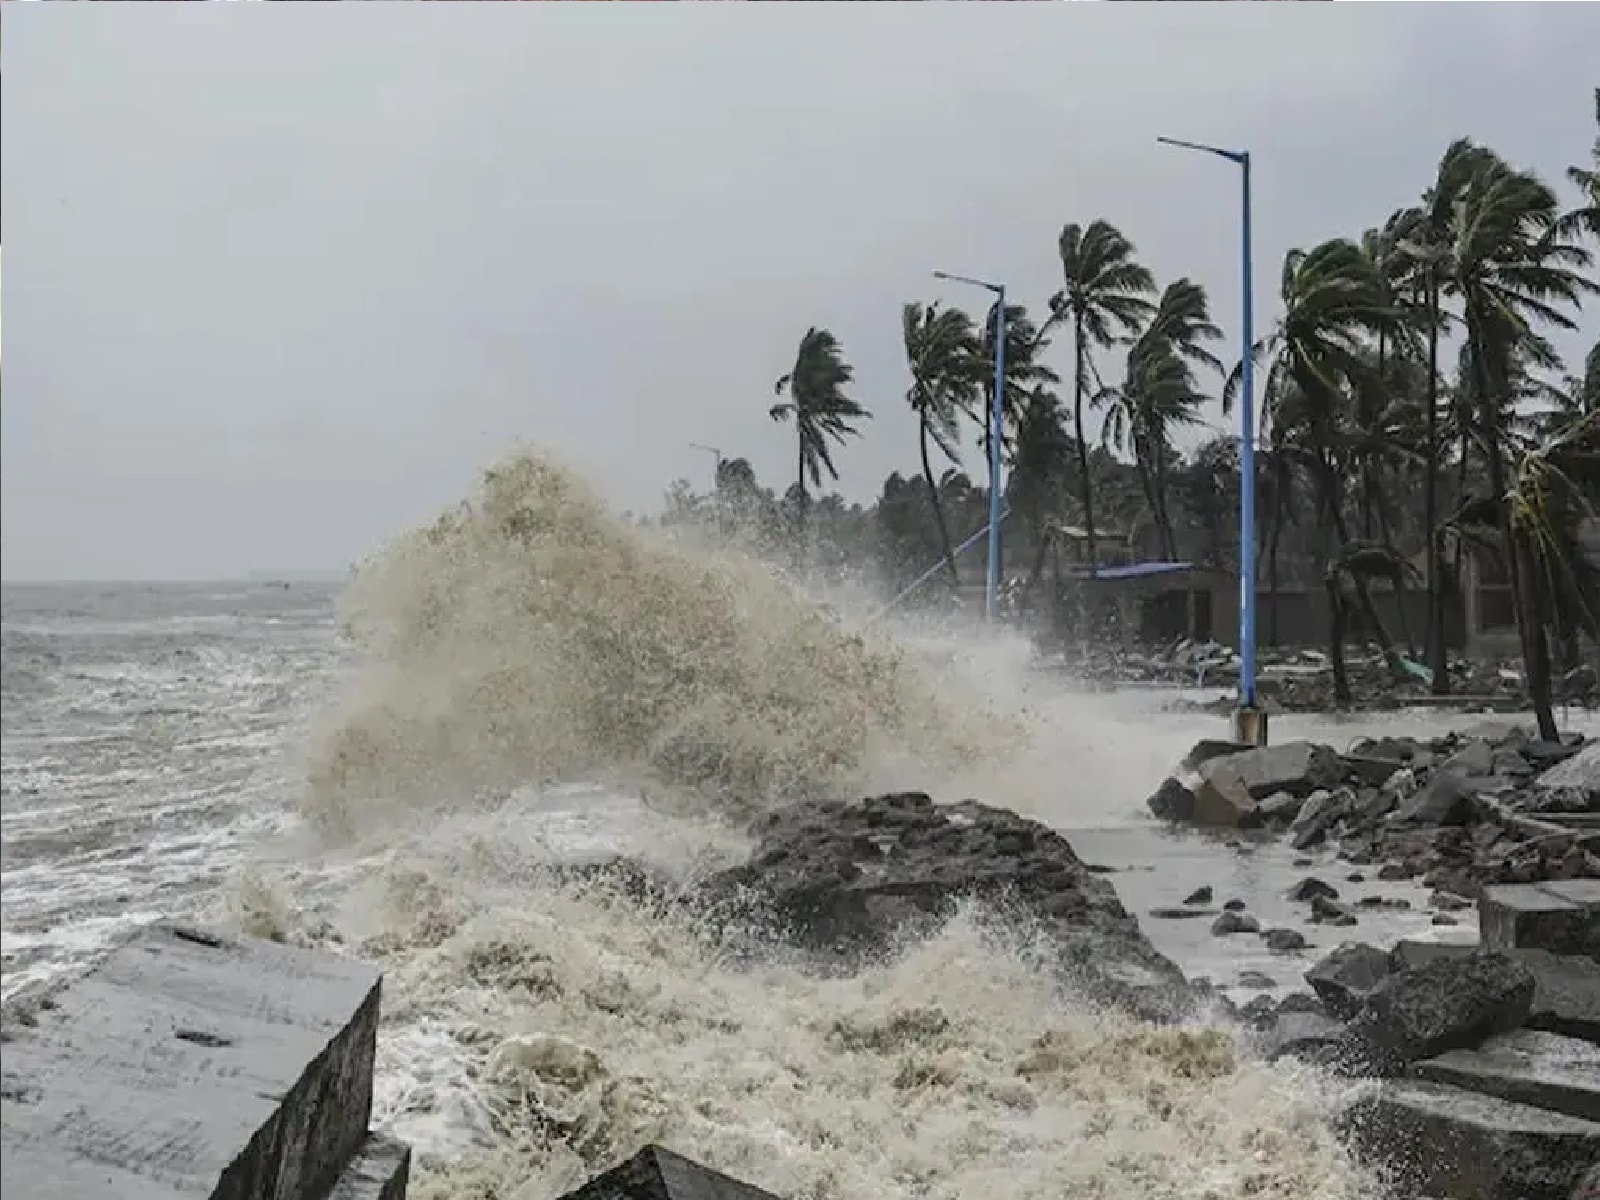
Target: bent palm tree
821, 411
1105, 297
943, 354
1513, 267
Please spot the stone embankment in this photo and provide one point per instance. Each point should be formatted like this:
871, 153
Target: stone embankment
190, 1064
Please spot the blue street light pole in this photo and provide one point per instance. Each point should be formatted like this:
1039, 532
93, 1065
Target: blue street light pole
991, 592
1250, 723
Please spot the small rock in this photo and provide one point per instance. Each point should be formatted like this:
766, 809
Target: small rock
1447, 800
1234, 905
1280, 807
1235, 922
1259, 1012
1256, 981
1201, 895
1321, 812
1303, 862
1284, 941
1310, 888
1355, 877
1330, 912
1393, 872
1444, 919
1448, 901
1347, 976
1169, 913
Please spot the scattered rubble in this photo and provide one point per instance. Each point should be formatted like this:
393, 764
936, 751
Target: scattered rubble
1494, 805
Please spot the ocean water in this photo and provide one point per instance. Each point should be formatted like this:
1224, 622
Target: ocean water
392, 771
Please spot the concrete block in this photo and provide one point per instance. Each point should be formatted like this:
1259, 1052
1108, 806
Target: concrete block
379, 1171
189, 1064
1542, 1069
656, 1173
1560, 916
1566, 989
1438, 1140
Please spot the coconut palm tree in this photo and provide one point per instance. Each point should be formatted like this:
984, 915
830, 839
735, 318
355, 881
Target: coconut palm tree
1159, 393
943, 352
819, 407
1585, 219
1105, 298
1514, 268
1335, 304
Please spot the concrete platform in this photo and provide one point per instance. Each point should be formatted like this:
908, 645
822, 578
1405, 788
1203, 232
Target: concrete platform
1542, 1069
656, 1173
190, 1065
379, 1171
1560, 916
1443, 1141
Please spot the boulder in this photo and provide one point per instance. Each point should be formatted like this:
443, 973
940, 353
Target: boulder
1310, 888
1173, 801
1299, 768
1566, 989
847, 881
1447, 1004
1545, 1070
1345, 979
1232, 921
1284, 941
1305, 1035
1446, 800
1562, 916
656, 1173
1207, 749
1322, 810
1438, 1140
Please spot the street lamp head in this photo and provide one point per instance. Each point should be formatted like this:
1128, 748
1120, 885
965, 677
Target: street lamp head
1237, 156
997, 288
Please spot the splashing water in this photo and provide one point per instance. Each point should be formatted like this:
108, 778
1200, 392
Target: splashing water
530, 635
536, 1031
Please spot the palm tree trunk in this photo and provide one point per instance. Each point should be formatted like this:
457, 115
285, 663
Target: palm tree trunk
1438, 657
1535, 643
1085, 484
800, 505
1169, 538
1336, 627
938, 509
1369, 613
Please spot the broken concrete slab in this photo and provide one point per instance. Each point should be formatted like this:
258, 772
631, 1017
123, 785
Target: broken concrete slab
1560, 916
1566, 989
1545, 1070
1439, 1140
1581, 771
1298, 768
186, 1063
656, 1173
1221, 797
1447, 1004
379, 1171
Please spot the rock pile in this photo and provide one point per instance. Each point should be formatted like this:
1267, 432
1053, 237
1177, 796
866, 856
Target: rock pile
1458, 813
1490, 1054
846, 880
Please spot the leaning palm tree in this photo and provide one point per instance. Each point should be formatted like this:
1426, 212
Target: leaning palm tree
1334, 305
1105, 298
946, 365
1514, 268
821, 411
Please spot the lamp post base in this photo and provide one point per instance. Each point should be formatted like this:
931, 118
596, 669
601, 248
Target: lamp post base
1250, 726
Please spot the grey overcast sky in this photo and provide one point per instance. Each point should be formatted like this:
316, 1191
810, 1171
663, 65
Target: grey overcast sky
281, 278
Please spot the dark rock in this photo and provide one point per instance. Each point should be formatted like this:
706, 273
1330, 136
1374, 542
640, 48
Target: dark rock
1347, 977
1369, 769
1303, 1002
1447, 1004
1448, 901
1284, 941
1446, 800
1443, 920
1393, 872
1234, 905
1300, 768
1256, 980
1174, 913
656, 1173
1201, 895
846, 882
1562, 916
1545, 1070
1207, 749
1438, 1140
1303, 862
1259, 1012
1566, 993
1310, 888
1172, 801
1330, 912
1355, 877
1235, 922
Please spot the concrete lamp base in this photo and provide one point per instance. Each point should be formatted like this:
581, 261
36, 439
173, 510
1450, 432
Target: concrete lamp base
1250, 726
